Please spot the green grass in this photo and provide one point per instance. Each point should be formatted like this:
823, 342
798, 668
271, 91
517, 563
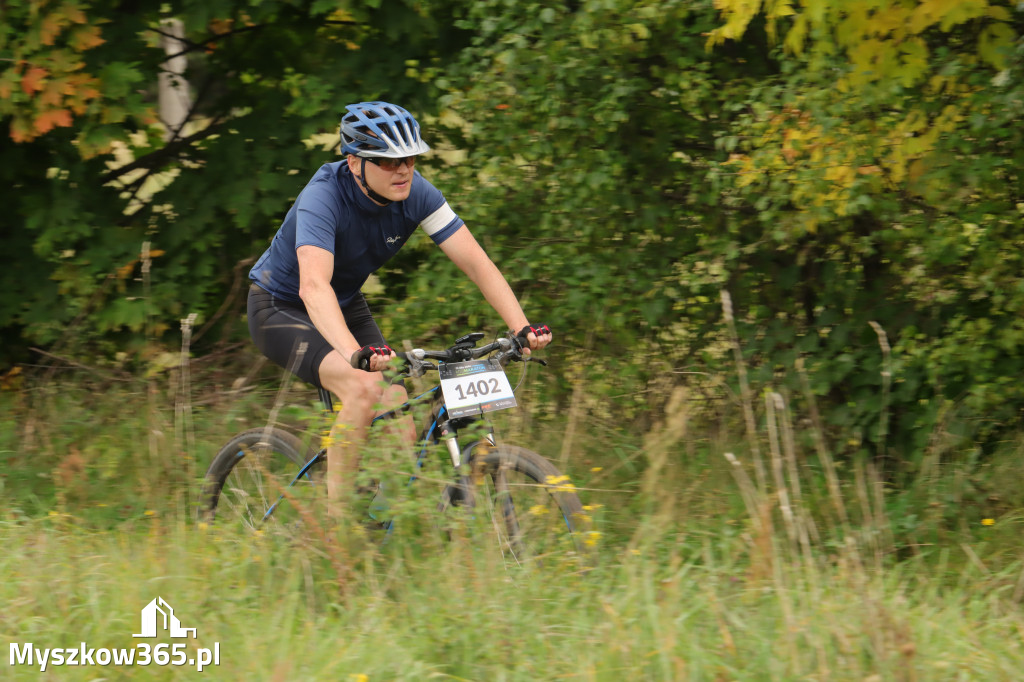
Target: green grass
699, 574
659, 612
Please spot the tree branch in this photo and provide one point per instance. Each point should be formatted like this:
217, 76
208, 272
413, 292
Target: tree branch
201, 45
217, 37
157, 158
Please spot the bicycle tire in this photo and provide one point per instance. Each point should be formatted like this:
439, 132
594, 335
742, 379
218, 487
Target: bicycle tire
530, 508
250, 474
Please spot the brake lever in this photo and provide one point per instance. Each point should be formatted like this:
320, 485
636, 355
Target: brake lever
530, 358
418, 368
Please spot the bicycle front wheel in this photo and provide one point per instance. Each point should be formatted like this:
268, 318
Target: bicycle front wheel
530, 510
261, 475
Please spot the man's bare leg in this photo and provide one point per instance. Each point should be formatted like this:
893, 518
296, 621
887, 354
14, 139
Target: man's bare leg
359, 393
362, 396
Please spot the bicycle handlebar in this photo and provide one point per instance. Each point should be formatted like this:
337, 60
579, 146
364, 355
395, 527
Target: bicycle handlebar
417, 361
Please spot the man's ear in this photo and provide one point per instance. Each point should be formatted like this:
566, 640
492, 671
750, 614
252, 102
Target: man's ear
353, 164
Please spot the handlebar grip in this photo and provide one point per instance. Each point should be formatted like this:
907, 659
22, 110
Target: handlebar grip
537, 329
361, 358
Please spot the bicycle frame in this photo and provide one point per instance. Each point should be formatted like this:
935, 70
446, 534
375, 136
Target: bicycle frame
440, 428
507, 490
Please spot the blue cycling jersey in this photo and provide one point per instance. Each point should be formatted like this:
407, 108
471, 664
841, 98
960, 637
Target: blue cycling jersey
332, 213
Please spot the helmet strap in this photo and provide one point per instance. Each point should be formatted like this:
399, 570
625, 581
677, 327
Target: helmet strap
370, 192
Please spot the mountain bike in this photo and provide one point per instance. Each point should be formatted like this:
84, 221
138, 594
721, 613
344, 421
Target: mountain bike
268, 475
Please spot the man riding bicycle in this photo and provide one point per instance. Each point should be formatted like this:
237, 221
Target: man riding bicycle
349, 220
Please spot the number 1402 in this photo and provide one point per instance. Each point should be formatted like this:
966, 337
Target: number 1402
478, 388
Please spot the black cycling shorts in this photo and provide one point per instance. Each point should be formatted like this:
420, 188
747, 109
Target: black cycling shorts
278, 328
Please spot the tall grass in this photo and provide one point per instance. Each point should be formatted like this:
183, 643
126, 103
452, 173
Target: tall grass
665, 610
736, 558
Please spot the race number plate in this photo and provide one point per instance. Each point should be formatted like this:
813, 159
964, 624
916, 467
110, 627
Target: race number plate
475, 387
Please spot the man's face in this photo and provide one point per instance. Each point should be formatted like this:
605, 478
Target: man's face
391, 178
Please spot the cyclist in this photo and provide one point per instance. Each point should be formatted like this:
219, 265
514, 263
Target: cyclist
351, 217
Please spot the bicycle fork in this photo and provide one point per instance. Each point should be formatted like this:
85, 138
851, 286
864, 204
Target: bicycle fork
463, 492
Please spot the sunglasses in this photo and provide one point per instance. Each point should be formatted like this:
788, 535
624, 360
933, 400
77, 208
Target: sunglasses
392, 164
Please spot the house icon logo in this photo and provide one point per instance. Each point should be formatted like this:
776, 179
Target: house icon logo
157, 615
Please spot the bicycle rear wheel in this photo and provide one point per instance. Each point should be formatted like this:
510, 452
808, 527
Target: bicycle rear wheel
527, 507
255, 479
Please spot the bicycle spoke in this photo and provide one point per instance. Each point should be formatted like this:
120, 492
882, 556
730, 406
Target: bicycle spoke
249, 476
502, 514
528, 518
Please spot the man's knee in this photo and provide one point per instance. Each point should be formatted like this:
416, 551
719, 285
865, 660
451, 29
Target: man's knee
395, 395
356, 389
361, 389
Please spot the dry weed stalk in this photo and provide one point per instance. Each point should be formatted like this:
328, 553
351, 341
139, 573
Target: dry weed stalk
883, 417
745, 393
782, 490
763, 560
824, 456
184, 427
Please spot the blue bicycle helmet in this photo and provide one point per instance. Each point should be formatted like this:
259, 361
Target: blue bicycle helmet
382, 130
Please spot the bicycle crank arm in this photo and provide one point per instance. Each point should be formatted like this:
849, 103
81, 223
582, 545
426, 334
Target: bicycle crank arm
459, 494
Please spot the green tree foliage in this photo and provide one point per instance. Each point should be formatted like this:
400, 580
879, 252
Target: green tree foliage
90, 175
881, 173
588, 129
